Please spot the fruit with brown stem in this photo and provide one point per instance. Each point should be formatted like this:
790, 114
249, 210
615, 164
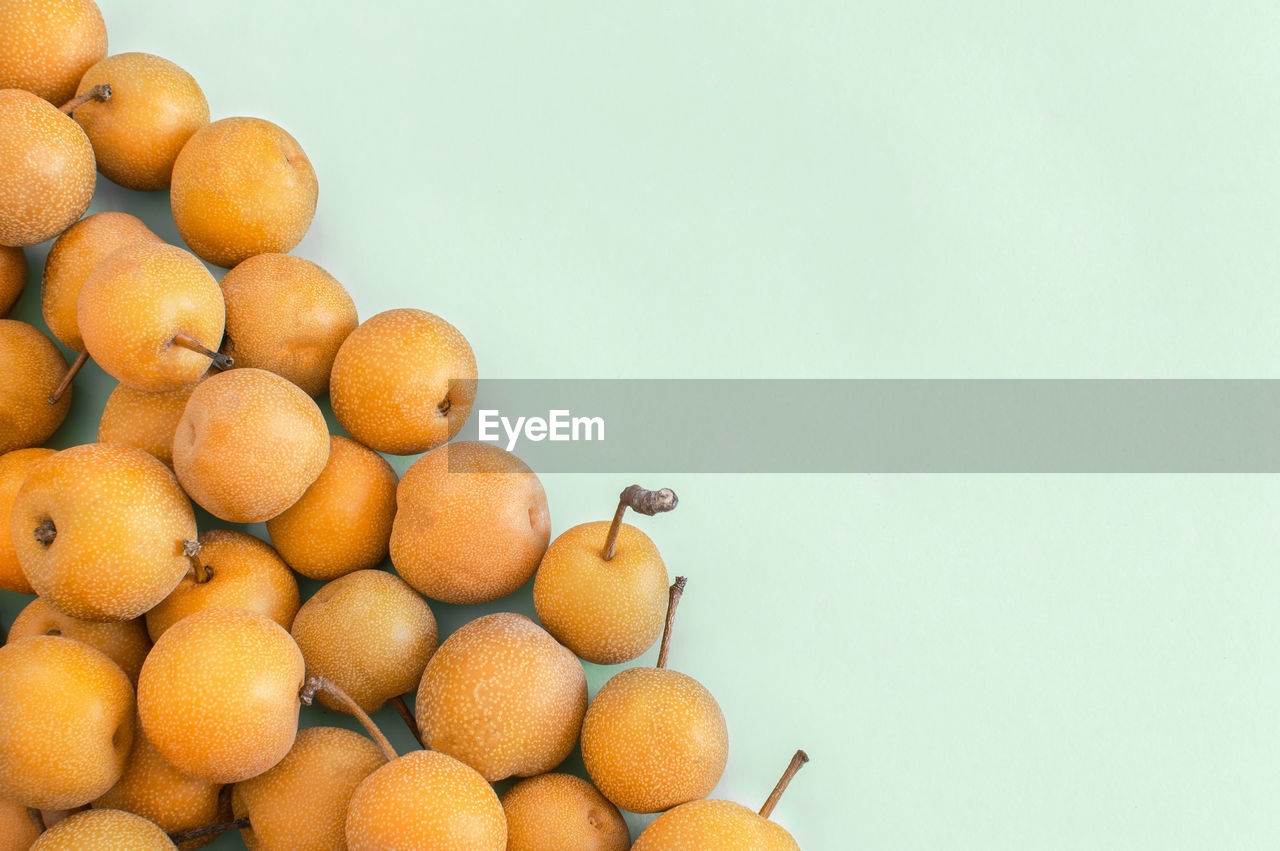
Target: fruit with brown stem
716, 825
654, 738
342, 522
249, 444
242, 186
124, 642
103, 829
68, 722
31, 367
155, 107
46, 169
231, 570
601, 588
288, 316
15, 466
101, 531
144, 419
471, 523
502, 696
13, 277
151, 315
563, 812
403, 382
47, 45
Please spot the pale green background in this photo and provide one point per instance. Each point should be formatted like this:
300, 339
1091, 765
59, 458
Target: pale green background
839, 189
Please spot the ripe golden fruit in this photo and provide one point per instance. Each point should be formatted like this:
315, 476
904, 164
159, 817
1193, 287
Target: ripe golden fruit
72, 257
218, 695
155, 107
606, 612
17, 831
249, 445
46, 169
369, 633
242, 186
471, 523
502, 696
403, 382
138, 304
563, 812
342, 523
103, 830
425, 799
68, 722
124, 642
143, 419
714, 825
13, 277
232, 571
100, 531
47, 45
288, 316
14, 468
31, 367
324, 767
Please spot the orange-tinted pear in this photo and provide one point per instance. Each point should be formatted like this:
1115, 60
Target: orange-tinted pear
144, 419
46, 169
563, 812
403, 382
249, 445
47, 45
124, 642
68, 722
100, 531
342, 523
288, 316
103, 830
154, 108
218, 695
242, 186
31, 367
232, 570
17, 830
502, 696
471, 523
14, 468
13, 277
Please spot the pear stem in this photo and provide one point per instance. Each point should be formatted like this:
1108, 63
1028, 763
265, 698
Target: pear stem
72, 372
316, 683
641, 501
46, 532
180, 836
101, 92
407, 716
37, 818
220, 360
799, 759
673, 600
201, 572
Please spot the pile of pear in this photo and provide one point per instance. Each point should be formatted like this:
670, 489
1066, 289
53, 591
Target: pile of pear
151, 690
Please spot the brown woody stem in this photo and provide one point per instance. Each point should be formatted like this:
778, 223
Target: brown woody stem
407, 716
220, 360
46, 532
72, 372
102, 93
37, 818
317, 683
180, 836
799, 759
191, 549
642, 502
673, 600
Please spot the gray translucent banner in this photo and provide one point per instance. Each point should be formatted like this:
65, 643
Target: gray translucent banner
883, 426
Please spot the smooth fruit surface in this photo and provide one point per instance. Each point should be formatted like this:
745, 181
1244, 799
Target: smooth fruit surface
563, 812
119, 524
287, 315
144, 419
68, 722
403, 382
342, 523
47, 45
17, 831
714, 825
471, 523
103, 830
46, 169
14, 468
502, 696
30, 368
155, 107
249, 445
124, 642
242, 186
13, 277
218, 694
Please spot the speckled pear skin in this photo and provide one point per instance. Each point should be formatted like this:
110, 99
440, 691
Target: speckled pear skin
68, 722
30, 368
13, 277
654, 738
72, 257
323, 769
47, 45
155, 107
124, 642
103, 829
47, 172
502, 696
714, 825
144, 419
235, 666
14, 468
121, 522
562, 811
17, 831
425, 799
